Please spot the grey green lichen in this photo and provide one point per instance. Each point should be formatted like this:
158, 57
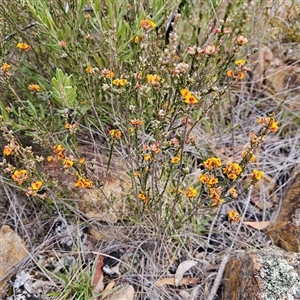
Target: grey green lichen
280, 281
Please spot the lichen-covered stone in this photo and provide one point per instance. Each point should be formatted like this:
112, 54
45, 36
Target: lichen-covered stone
267, 274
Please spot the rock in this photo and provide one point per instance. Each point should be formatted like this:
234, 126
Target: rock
12, 252
124, 293
285, 231
270, 274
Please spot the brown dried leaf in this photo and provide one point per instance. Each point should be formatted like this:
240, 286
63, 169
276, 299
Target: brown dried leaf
107, 290
258, 225
171, 281
97, 280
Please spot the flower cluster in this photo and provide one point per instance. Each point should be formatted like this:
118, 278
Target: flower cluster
143, 197
59, 150
215, 195
108, 73
208, 180
5, 69
212, 163
234, 216
69, 162
115, 133
136, 122
238, 73
83, 183
154, 80
72, 127
269, 123
19, 176
257, 175
34, 87
190, 192
189, 98
35, 187
153, 149
11, 148
232, 170
119, 82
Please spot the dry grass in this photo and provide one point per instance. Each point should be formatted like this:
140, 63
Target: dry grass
154, 247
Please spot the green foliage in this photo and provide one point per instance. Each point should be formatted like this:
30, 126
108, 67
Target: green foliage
103, 68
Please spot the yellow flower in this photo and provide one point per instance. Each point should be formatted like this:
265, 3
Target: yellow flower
5, 68
34, 87
36, 185
143, 197
240, 75
120, 82
19, 176
189, 98
234, 216
212, 163
240, 62
83, 183
123, 82
108, 74
50, 158
154, 79
71, 127
81, 160
184, 92
203, 178
147, 156
272, 125
257, 175
58, 148
191, 192
212, 181
232, 170
217, 201
68, 163
89, 69
137, 39
230, 73
7, 150
115, 133
269, 123
23, 46
147, 24
175, 159
208, 180
136, 122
